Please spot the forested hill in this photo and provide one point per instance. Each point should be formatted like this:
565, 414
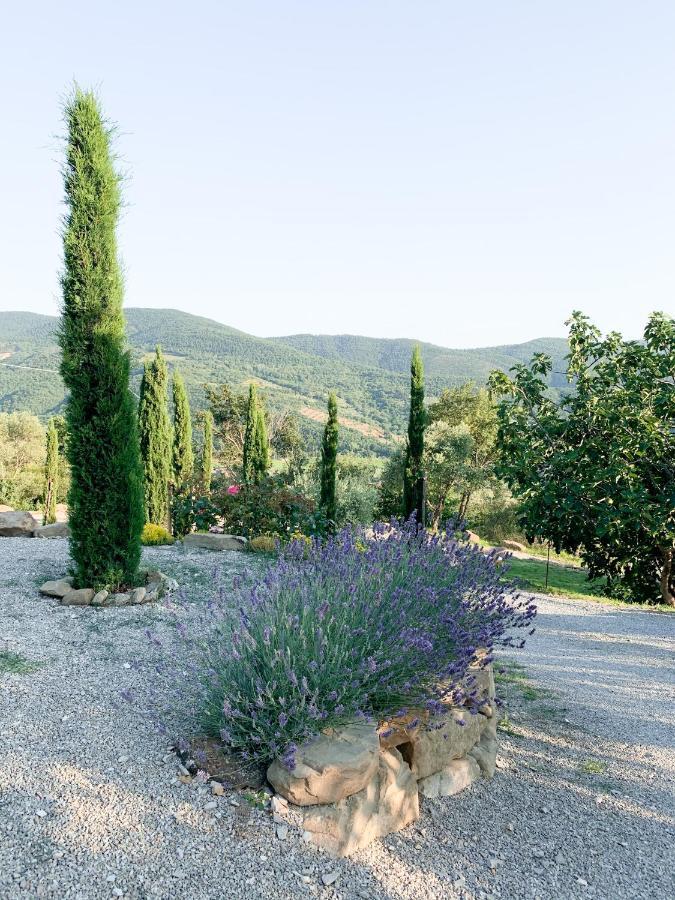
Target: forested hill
370, 376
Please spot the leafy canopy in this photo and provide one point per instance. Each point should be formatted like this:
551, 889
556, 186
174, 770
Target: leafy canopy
596, 471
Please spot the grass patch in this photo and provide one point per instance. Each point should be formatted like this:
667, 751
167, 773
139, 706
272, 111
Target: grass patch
15, 664
512, 674
573, 583
593, 767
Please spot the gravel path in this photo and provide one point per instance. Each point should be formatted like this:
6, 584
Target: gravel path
91, 805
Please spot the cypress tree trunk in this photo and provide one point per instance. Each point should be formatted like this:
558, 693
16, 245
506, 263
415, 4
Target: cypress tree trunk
183, 455
106, 493
329, 448
414, 486
51, 474
206, 460
249, 434
155, 432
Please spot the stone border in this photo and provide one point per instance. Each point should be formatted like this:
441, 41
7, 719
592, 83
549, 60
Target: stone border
358, 783
156, 586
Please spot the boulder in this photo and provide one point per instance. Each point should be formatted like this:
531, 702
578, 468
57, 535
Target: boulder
457, 775
485, 754
138, 596
57, 588
388, 803
333, 766
445, 738
122, 599
56, 530
215, 541
514, 545
99, 598
17, 524
81, 597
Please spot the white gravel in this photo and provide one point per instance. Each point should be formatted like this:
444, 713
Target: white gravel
90, 805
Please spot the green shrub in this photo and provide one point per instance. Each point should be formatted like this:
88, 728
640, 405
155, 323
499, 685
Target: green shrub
263, 543
154, 535
269, 507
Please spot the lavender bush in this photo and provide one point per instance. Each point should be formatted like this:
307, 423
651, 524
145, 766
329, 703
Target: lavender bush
364, 625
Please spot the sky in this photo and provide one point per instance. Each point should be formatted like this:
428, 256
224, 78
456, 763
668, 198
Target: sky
460, 173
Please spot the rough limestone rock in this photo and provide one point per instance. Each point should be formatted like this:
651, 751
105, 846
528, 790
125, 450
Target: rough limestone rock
100, 598
138, 596
215, 541
514, 545
55, 530
485, 754
81, 597
388, 803
447, 737
17, 524
4, 508
121, 599
330, 768
57, 588
457, 775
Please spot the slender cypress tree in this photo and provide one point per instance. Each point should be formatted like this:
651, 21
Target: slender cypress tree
183, 455
51, 473
206, 459
329, 448
105, 499
261, 446
249, 433
256, 459
414, 500
155, 431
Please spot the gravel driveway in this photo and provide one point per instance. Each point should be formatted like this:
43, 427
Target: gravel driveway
91, 805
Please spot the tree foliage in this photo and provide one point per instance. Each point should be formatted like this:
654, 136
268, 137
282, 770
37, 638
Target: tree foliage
155, 431
413, 484
206, 456
256, 450
105, 498
183, 454
329, 448
461, 449
596, 471
51, 474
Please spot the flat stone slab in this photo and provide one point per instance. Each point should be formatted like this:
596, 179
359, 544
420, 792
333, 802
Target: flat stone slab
17, 524
330, 768
55, 530
215, 541
58, 588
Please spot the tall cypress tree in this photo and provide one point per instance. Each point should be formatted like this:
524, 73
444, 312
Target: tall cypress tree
183, 455
414, 500
206, 459
261, 447
249, 433
329, 448
155, 431
51, 474
256, 459
105, 499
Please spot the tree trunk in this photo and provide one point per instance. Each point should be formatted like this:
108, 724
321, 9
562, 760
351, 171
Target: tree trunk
666, 576
464, 505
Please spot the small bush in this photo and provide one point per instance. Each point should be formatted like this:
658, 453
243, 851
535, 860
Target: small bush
365, 625
270, 507
154, 535
264, 543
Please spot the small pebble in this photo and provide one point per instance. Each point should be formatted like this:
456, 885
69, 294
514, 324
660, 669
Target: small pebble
330, 877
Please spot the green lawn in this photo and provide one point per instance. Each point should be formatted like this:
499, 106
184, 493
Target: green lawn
564, 581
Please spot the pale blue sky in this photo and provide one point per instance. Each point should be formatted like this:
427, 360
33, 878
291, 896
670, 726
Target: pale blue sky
462, 172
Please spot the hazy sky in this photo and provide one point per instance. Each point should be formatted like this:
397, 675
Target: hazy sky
462, 172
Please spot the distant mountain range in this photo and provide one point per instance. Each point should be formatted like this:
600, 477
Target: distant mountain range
369, 375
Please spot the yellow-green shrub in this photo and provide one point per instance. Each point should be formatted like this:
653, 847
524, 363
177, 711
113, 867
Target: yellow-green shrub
264, 543
155, 534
